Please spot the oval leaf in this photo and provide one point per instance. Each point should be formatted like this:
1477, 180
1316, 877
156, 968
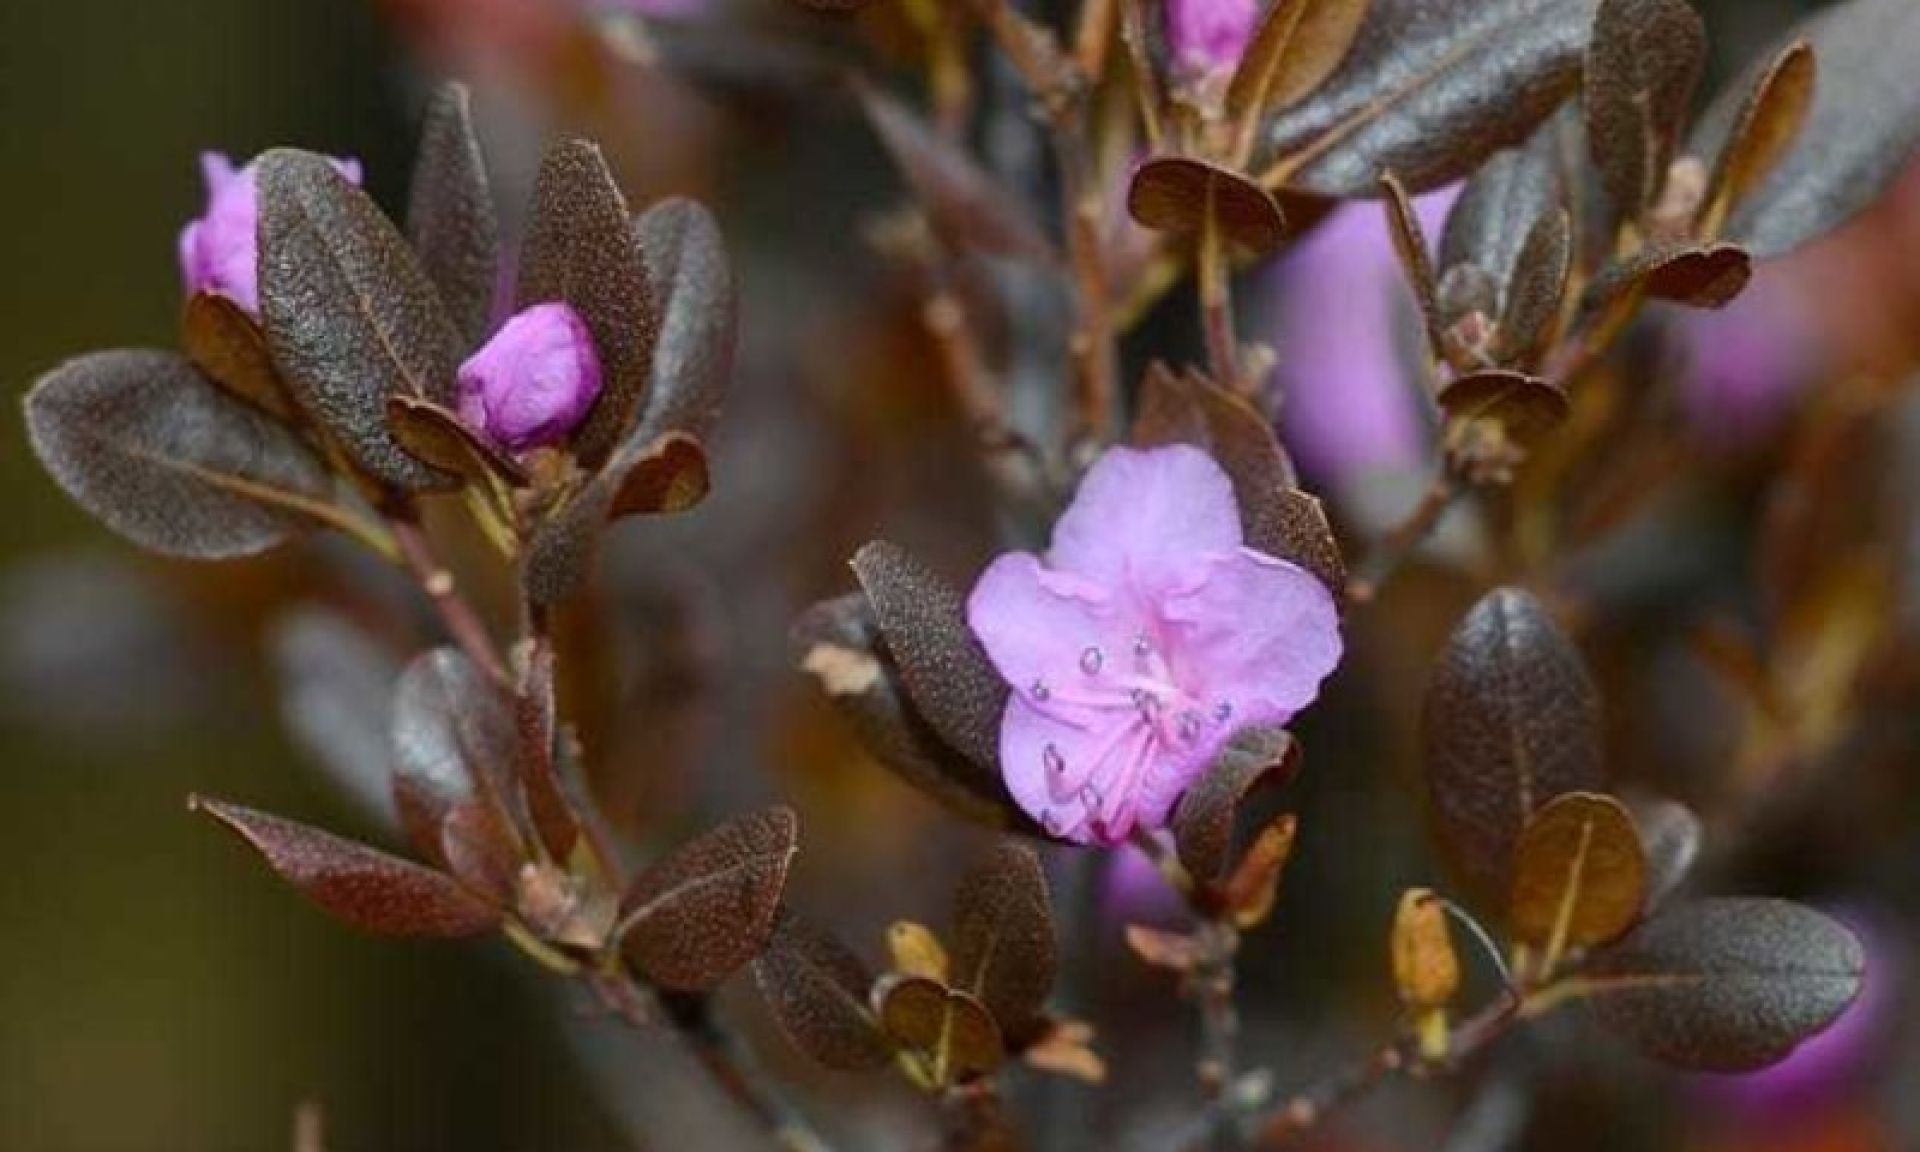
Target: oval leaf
666, 475
1579, 873
228, 345
695, 916
336, 698
170, 461
1642, 67
450, 214
1671, 834
1429, 89
1004, 951
1528, 405
1296, 47
1766, 126
1204, 818
953, 1031
1175, 193
1497, 212
1863, 127
1726, 985
817, 991
1511, 721
947, 673
454, 747
362, 886
699, 318
581, 249
349, 315
838, 643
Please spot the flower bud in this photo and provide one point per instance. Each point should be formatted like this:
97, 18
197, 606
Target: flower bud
533, 383
1208, 37
219, 252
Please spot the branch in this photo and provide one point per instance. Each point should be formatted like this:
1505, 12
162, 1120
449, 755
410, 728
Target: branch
463, 624
1392, 550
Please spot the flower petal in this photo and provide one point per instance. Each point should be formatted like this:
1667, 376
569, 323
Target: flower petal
1038, 626
1061, 765
1259, 634
1142, 517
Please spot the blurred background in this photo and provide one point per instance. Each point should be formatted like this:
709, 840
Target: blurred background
159, 991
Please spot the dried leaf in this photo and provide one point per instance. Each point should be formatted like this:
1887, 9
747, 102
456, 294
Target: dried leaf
1429, 89
1766, 126
1726, 985
1173, 951
351, 318
1426, 970
1579, 873
1203, 820
693, 917
1864, 124
1529, 406
1670, 835
1642, 67
953, 1030
362, 886
450, 214
966, 207
228, 345
163, 457
817, 991
1511, 721
916, 951
336, 699
1067, 1050
1175, 193
1004, 951
1296, 47
839, 642
1255, 883
581, 248
699, 319
947, 673
1707, 277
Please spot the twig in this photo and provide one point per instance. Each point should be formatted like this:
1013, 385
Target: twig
437, 581
735, 1071
1393, 549
1216, 303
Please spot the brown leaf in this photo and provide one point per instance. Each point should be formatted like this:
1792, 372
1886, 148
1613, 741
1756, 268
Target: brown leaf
965, 205
1642, 67
1175, 194
362, 886
453, 746
450, 214
1255, 883
1726, 985
1426, 970
1670, 834
1860, 132
438, 436
947, 673
1203, 820
1709, 277
350, 316
1003, 944
817, 991
1763, 130
839, 643
1292, 525
1579, 874
1296, 47
1174, 951
160, 455
1416, 261
951, 1029
1067, 1050
1528, 405
693, 917
668, 476
1428, 90
581, 249
1539, 283
699, 319
228, 345
1511, 721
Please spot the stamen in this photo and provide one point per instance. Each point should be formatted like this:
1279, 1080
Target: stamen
1091, 661
1190, 722
1040, 691
1055, 763
1223, 712
1142, 647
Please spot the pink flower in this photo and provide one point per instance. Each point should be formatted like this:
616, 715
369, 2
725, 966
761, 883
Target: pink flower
1209, 36
533, 383
1144, 640
219, 252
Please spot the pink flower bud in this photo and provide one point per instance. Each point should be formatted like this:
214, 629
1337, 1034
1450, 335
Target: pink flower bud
1209, 36
533, 382
219, 252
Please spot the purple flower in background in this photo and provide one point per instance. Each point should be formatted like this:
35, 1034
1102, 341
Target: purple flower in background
533, 383
1747, 362
1208, 36
1146, 637
1344, 325
219, 252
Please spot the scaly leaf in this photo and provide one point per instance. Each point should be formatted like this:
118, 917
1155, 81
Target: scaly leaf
695, 916
450, 214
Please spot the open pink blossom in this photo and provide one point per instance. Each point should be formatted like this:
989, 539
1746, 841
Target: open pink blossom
1146, 637
219, 251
